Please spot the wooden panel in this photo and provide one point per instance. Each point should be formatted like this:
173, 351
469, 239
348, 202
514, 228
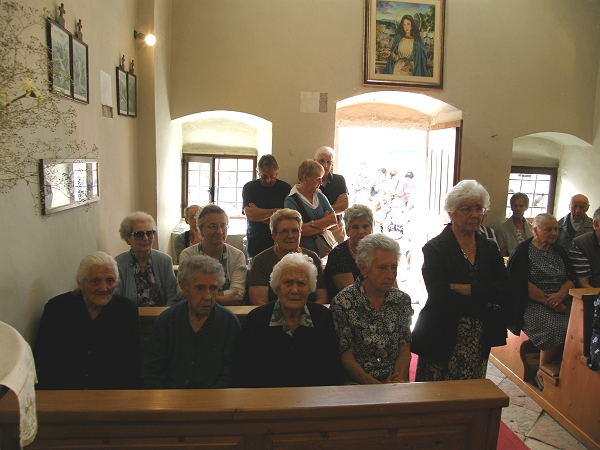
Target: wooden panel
575, 401
452, 414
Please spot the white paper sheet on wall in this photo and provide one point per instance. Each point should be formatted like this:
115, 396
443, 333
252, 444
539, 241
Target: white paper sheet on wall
313, 102
106, 88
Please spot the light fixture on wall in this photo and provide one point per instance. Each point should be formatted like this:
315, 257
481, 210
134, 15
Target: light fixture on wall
149, 38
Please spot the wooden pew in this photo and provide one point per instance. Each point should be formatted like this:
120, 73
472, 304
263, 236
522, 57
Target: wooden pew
448, 415
148, 315
574, 401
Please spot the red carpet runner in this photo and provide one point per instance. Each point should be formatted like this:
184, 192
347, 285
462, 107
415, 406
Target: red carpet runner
507, 439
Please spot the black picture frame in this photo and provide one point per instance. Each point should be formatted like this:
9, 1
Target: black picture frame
131, 95
80, 71
60, 57
122, 98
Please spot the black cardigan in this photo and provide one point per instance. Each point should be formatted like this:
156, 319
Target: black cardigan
518, 268
434, 335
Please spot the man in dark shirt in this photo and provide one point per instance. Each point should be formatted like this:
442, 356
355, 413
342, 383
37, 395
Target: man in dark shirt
261, 198
334, 188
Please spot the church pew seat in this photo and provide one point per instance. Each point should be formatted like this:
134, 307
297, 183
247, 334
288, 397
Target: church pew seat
449, 415
573, 397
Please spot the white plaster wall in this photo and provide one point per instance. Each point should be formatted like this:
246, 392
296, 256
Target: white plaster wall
40, 255
514, 68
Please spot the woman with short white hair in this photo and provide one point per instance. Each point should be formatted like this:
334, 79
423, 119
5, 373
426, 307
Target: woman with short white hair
372, 317
289, 342
469, 293
89, 338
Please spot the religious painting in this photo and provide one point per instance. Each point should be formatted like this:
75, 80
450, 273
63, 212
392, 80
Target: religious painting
131, 95
59, 43
404, 43
122, 102
80, 71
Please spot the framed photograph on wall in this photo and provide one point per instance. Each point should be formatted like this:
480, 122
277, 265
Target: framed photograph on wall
59, 52
131, 95
404, 43
122, 101
68, 183
81, 80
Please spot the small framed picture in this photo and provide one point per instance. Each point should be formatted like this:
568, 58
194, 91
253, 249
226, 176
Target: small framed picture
122, 101
131, 95
81, 81
404, 43
59, 43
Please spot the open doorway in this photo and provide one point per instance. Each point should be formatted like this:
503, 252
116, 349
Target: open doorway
400, 160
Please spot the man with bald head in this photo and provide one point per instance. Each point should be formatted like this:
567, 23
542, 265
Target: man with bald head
576, 222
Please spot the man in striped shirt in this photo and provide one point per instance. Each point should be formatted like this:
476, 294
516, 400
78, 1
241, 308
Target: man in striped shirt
585, 256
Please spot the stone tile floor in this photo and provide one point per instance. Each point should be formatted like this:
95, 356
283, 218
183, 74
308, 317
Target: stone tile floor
528, 420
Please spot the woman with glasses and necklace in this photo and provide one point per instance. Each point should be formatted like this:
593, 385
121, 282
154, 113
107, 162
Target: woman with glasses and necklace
212, 225
146, 275
469, 293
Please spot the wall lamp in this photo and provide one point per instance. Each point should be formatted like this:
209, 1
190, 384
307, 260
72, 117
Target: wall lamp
149, 38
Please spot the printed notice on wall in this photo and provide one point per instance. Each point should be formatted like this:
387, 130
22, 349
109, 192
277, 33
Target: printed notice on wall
313, 102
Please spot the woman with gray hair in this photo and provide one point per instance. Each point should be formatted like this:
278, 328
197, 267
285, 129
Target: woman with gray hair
289, 342
469, 293
372, 317
89, 338
341, 269
191, 343
542, 274
146, 275
516, 229
191, 236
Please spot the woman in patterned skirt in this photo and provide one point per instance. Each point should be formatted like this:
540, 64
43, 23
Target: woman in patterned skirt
542, 274
469, 293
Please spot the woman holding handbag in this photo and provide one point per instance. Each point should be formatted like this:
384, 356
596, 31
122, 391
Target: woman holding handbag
317, 214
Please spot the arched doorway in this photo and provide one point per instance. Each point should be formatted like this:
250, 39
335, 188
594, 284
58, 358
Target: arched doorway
400, 154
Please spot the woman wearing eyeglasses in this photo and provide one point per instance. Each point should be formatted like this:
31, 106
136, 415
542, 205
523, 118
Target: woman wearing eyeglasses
469, 293
212, 224
145, 275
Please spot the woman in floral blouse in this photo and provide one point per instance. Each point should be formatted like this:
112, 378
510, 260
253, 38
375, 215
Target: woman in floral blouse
372, 318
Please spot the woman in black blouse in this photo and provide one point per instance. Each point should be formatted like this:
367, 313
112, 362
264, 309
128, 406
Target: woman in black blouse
341, 269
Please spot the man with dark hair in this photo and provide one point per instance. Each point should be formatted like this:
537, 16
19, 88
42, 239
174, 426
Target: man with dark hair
585, 256
261, 198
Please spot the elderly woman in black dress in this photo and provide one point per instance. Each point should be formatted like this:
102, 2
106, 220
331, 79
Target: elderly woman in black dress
469, 293
542, 275
372, 317
341, 269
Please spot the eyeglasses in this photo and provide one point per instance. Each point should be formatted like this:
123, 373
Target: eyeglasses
295, 232
468, 210
139, 235
214, 226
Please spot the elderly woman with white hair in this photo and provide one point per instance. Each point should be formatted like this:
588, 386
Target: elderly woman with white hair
146, 275
469, 293
288, 342
89, 338
372, 317
542, 274
191, 343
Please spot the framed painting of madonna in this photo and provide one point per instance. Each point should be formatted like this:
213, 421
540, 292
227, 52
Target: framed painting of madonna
404, 43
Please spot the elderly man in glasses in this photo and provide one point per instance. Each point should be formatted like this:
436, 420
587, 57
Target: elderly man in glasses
145, 275
262, 197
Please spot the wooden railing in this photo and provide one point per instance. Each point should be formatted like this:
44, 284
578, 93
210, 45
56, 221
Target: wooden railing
448, 415
574, 399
